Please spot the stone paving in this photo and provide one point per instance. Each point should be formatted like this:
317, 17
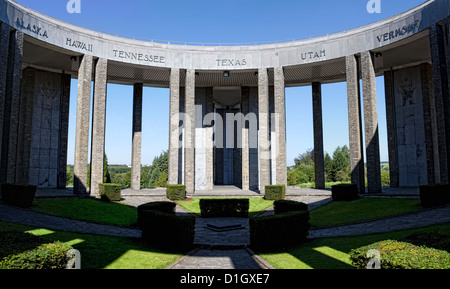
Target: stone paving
224, 250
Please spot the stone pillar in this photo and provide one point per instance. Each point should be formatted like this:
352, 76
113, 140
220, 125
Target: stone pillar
4, 49
209, 141
174, 132
355, 123
98, 126
391, 128
25, 125
318, 136
280, 117
429, 108
263, 131
371, 123
12, 107
440, 61
64, 131
82, 125
137, 137
245, 138
189, 157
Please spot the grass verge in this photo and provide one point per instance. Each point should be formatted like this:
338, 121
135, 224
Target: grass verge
333, 253
338, 213
88, 210
104, 252
257, 205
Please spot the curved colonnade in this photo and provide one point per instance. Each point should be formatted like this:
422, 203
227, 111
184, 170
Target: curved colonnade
243, 86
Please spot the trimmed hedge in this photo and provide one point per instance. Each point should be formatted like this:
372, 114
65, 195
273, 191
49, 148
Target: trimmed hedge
283, 206
279, 232
434, 195
275, 192
164, 207
344, 192
218, 208
401, 255
26, 251
167, 231
20, 195
176, 192
110, 192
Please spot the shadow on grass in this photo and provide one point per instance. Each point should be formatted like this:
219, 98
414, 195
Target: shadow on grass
333, 253
99, 252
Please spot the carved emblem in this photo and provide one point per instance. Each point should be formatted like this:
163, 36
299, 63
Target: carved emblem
407, 89
48, 90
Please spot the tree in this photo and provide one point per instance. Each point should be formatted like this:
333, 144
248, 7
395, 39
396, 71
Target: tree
106, 174
162, 180
341, 164
292, 178
328, 167
306, 158
69, 176
152, 174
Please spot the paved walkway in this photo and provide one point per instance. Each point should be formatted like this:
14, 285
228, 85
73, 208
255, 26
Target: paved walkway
224, 250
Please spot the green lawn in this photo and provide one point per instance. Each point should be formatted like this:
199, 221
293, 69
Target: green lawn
336, 213
257, 205
104, 252
88, 210
333, 253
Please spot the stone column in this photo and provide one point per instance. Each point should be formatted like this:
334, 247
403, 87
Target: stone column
98, 126
318, 136
12, 105
64, 131
137, 137
440, 61
174, 132
4, 49
391, 128
189, 157
371, 123
280, 117
430, 125
25, 125
263, 131
209, 141
355, 123
245, 138
82, 125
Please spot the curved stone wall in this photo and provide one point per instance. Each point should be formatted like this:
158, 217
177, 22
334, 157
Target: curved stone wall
84, 41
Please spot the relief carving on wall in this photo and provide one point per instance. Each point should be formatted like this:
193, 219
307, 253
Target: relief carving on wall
407, 89
48, 90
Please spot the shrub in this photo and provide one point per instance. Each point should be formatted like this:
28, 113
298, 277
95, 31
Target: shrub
176, 192
401, 255
275, 192
20, 195
164, 207
26, 251
279, 232
217, 208
168, 231
344, 192
283, 206
110, 192
433, 195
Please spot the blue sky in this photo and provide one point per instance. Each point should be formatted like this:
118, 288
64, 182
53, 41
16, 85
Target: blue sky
222, 21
